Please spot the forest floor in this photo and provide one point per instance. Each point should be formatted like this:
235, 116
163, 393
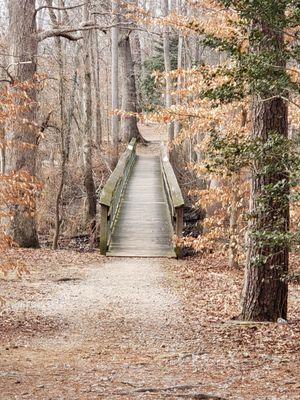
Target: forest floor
80, 326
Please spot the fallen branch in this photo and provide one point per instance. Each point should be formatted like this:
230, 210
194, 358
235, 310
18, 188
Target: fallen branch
155, 390
199, 396
172, 388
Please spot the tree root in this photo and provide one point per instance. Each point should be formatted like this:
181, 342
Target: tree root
142, 140
198, 396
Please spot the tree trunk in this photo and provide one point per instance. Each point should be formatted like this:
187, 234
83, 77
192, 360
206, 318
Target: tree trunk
266, 290
3, 75
87, 142
167, 60
114, 84
135, 45
233, 254
177, 125
23, 48
62, 100
96, 81
233, 261
2, 149
129, 98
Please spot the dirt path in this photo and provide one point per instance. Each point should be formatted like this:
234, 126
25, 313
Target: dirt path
91, 332
82, 327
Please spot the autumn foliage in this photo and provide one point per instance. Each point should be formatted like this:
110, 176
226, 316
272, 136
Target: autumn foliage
17, 188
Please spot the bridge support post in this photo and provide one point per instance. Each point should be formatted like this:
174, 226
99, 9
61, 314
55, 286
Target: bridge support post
103, 229
179, 227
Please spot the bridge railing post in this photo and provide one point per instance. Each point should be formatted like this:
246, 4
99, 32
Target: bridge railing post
103, 229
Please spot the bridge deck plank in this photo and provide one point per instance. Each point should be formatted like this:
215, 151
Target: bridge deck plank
143, 227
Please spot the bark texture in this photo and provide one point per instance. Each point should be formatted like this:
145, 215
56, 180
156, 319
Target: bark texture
87, 137
97, 87
114, 84
167, 61
129, 94
62, 99
23, 48
137, 63
265, 293
266, 290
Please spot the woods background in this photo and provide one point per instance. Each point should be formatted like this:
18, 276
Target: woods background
218, 79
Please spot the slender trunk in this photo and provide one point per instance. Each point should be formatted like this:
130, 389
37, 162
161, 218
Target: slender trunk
96, 86
23, 42
233, 255
167, 61
87, 142
129, 98
233, 260
266, 289
177, 125
2, 148
65, 151
135, 45
62, 101
107, 100
114, 83
2, 126
98, 93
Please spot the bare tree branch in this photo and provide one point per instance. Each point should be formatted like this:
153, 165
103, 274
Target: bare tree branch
7, 68
59, 8
66, 31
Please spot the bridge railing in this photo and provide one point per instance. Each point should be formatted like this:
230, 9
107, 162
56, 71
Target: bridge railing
173, 193
112, 192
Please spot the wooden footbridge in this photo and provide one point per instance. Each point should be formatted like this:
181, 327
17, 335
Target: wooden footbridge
141, 207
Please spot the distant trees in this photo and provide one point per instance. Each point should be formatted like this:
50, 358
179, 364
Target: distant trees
228, 74
24, 130
78, 93
151, 95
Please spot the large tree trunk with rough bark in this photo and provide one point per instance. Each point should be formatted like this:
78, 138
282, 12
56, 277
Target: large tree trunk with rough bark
129, 126
23, 130
266, 290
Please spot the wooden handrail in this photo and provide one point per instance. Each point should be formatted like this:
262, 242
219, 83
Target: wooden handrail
173, 193
112, 192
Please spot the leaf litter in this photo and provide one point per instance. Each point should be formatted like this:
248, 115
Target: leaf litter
84, 327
